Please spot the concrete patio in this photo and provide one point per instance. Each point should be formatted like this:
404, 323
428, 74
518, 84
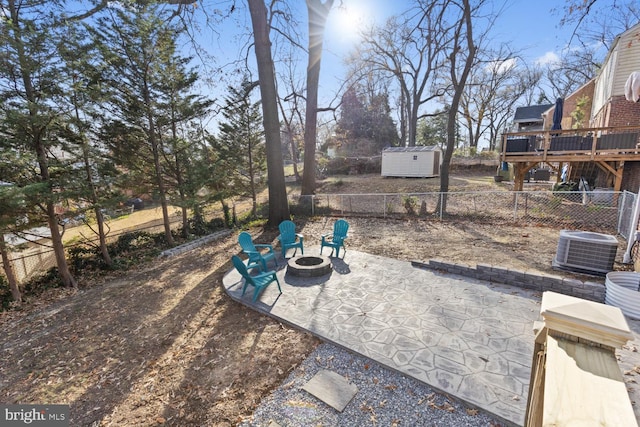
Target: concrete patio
468, 338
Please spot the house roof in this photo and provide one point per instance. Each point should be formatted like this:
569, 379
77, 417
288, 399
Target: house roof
411, 149
532, 113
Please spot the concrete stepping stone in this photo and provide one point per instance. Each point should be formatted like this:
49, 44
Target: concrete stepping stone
331, 388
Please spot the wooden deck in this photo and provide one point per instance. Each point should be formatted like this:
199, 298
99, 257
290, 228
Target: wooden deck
606, 148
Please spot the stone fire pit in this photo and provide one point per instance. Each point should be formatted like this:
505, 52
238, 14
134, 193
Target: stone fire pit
309, 266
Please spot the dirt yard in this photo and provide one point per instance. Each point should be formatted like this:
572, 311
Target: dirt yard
164, 345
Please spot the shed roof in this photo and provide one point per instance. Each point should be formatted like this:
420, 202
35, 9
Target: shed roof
532, 113
411, 149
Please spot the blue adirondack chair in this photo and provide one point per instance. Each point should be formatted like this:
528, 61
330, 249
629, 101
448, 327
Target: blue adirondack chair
336, 240
288, 237
257, 256
259, 281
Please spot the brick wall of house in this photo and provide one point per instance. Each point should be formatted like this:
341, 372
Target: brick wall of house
570, 103
623, 112
631, 177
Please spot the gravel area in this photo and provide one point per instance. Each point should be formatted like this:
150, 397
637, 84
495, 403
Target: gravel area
384, 398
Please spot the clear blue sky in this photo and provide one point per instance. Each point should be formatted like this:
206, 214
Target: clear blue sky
530, 27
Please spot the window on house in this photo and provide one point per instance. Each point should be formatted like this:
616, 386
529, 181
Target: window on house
415, 157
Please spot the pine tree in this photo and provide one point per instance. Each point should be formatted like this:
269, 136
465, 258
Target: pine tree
135, 46
33, 109
241, 142
91, 186
181, 109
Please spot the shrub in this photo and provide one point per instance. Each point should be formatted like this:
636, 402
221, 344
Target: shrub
84, 257
39, 284
338, 166
410, 204
129, 241
5, 294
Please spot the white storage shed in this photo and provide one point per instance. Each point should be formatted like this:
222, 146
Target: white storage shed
412, 162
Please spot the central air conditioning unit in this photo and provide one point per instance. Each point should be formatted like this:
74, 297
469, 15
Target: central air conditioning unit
586, 252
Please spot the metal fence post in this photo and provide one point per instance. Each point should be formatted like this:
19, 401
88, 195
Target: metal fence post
621, 209
313, 207
633, 229
515, 207
384, 206
441, 205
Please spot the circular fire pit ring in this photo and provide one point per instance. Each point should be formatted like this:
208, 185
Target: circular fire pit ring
309, 266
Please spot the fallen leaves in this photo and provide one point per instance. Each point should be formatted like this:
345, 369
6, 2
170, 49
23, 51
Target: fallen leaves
431, 400
633, 371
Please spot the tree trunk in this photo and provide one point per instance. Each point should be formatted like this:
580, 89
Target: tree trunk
318, 13
295, 157
179, 178
413, 120
94, 199
278, 204
58, 248
102, 236
155, 148
37, 144
8, 271
252, 178
458, 84
403, 119
163, 197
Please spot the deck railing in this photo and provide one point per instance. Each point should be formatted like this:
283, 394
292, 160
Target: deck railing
590, 143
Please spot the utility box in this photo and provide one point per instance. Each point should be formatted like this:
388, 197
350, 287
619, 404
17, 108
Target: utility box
411, 162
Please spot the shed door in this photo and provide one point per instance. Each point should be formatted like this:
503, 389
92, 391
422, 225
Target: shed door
436, 162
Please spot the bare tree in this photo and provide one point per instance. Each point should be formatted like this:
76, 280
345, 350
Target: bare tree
278, 204
318, 12
496, 84
599, 21
412, 49
502, 106
462, 55
575, 68
292, 110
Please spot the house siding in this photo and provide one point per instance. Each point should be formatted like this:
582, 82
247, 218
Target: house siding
603, 88
628, 59
609, 106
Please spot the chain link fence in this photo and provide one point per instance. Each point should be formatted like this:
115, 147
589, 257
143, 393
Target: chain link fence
603, 212
625, 219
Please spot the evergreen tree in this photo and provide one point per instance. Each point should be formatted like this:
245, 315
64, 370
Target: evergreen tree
91, 186
136, 46
432, 130
241, 142
33, 108
365, 123
181, 108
